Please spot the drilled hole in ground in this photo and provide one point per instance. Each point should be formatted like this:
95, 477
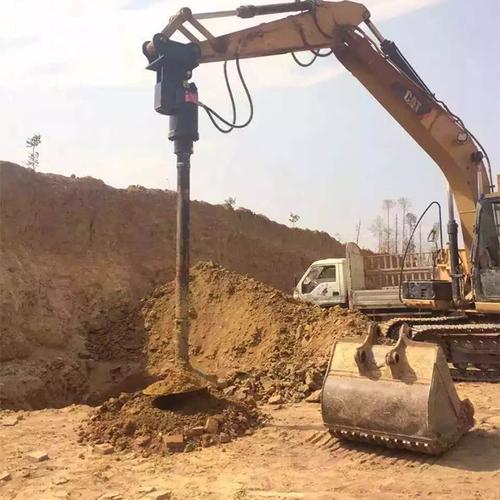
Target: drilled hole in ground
190, 403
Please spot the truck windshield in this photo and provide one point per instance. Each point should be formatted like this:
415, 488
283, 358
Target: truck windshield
310, 281
317, 275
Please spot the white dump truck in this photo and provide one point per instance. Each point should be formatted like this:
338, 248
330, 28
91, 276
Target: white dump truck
366, 282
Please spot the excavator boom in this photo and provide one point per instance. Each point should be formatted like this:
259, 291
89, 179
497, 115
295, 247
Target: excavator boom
309, 30
387, 76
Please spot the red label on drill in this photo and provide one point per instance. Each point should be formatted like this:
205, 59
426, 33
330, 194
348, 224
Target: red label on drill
191, 97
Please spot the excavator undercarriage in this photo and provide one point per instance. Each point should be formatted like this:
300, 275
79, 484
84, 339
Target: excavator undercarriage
471, 344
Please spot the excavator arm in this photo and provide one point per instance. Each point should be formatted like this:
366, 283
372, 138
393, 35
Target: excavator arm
309, 30
378, 65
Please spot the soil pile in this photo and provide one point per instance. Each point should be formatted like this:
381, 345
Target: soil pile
239, 323
263, 344
77, 256
180, 422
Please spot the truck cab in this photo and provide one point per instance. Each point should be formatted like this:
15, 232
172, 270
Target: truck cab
324, 283
363, 282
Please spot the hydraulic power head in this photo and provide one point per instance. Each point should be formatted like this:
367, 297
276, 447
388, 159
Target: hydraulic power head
173, 63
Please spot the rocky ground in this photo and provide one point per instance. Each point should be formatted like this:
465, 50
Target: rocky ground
179, 422
290, 457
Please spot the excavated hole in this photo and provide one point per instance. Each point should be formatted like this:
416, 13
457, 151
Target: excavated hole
190, 403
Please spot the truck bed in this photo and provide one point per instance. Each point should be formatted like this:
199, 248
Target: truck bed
385, 298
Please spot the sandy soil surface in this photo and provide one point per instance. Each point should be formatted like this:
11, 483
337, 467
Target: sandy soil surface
86, 313
291, 457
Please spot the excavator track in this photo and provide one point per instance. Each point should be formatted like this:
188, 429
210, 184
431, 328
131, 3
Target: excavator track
472, 348
471, 375
391, 327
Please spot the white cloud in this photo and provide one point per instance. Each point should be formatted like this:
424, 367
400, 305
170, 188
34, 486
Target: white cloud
382, 10
98, 43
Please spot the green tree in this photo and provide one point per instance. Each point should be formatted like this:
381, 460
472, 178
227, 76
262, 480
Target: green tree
230, 203
32, 144
294, 218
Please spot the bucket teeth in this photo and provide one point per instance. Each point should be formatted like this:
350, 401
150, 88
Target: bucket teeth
420, 446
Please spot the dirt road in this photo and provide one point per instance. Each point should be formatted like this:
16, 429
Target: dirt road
291, 457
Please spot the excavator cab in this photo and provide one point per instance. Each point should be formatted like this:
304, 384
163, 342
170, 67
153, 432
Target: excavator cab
486, 252
399, 396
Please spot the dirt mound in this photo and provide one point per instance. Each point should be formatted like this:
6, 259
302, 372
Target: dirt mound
262, 343
77, 256
240, 323
182, 422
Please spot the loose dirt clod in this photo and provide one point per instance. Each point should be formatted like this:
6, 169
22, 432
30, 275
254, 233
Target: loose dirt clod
166, 424
314, 397
160, 495
103, 449
9, 421
37, 456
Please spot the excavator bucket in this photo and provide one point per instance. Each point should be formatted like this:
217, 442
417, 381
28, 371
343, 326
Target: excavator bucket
399, 396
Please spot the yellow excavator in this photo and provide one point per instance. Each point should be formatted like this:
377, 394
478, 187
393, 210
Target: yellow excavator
398, 395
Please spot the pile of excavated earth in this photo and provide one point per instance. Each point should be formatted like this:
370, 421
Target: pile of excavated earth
261, 344
77, 257
175, 423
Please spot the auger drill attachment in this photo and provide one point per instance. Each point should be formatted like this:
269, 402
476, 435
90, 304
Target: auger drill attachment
177, 97
399, 396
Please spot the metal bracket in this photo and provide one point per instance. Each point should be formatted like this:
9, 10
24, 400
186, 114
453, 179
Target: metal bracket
177, 23
364, 355
185, 16
396, 358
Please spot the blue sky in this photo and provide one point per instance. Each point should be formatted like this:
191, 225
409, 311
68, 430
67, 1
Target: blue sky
319, 145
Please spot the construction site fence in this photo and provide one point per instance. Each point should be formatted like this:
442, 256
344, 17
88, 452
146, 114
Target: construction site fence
384, 270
